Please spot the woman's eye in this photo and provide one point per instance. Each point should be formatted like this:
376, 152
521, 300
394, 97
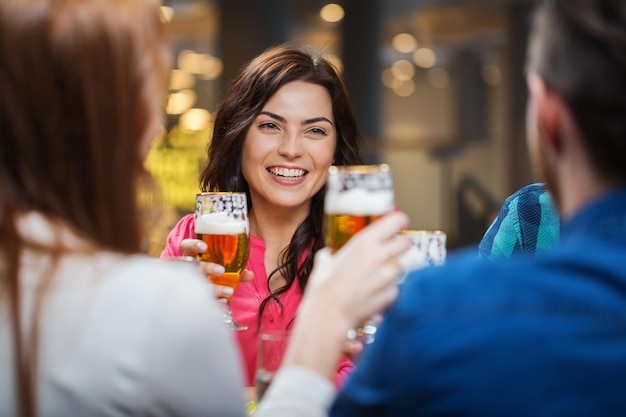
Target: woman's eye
317, 131
268, 126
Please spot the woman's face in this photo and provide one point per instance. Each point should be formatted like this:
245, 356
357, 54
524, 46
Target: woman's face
290, 146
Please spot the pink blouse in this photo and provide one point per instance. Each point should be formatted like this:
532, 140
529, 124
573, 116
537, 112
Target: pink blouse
247, 299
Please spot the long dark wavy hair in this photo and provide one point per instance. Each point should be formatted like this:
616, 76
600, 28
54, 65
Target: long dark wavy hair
80, 82
244, 100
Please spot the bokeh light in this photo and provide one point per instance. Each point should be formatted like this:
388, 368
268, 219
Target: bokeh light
404, 42
332, 13
425, 58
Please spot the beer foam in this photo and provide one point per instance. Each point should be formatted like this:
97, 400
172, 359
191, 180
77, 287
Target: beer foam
220, 224
359, 201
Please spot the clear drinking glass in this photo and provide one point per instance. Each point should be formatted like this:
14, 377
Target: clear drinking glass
428, 248
272, 347
222, 223
356, 196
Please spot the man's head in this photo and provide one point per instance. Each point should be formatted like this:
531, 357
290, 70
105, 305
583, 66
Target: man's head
577, 63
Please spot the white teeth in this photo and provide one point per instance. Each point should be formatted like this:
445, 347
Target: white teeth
286, 172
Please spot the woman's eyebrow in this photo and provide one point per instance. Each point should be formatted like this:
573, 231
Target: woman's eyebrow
274, 116
304, 122
317, 119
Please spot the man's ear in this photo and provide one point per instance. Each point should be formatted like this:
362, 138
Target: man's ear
549, 108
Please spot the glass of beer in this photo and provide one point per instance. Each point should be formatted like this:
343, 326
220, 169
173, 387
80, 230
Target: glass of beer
356, 196
221, 221
428, 248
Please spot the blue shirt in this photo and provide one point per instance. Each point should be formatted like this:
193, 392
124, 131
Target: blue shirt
536, 337
527, 224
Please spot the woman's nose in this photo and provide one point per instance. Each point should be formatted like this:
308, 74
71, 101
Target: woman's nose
291, 146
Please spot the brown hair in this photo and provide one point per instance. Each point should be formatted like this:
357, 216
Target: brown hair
78, 83
579, 48
244, 100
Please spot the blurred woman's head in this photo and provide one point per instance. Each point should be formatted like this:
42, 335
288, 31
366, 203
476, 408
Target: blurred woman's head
82, 86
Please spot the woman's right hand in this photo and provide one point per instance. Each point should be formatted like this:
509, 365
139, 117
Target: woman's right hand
193, 247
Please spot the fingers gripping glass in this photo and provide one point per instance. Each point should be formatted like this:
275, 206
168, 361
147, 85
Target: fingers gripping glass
221, 221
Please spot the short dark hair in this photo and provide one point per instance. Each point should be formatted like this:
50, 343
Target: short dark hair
579, 48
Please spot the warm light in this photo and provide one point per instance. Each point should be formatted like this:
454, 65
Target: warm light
195, 119
425, 57
404, 42
190, 61
167, 13
178, 103
205, 65
404, 88
180, 80
438, 77
491, 75
387, 77
210, 67
332, 13
395, 83
403, 70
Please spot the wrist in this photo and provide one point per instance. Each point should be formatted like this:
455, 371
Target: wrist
317, 340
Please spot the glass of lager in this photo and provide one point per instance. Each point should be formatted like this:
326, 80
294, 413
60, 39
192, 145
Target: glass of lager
356, 195
428, 248
221, 221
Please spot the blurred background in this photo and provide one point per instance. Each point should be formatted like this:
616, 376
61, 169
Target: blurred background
437, 85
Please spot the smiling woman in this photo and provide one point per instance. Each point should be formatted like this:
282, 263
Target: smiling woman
287, 153
285, 119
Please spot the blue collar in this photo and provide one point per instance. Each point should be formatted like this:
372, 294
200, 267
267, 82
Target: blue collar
605, 216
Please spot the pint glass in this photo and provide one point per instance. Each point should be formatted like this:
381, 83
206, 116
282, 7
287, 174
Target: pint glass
221, 221
356, 196
428, 248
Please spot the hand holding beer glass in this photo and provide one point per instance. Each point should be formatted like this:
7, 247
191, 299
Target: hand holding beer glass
221, 221
356, 196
